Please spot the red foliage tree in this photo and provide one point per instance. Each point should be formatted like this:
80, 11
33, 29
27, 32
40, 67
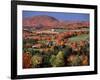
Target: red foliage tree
26, 60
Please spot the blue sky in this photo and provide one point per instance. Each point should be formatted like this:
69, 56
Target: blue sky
59, 15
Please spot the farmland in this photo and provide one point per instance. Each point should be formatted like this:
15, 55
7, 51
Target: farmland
79, 38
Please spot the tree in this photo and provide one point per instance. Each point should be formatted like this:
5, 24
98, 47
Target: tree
52, 60
84, 59
46, 60
74, 60
58, 60
67, 50
27, 60
36, 60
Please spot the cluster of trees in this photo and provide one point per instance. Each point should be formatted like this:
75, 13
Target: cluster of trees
37, 60
56, 57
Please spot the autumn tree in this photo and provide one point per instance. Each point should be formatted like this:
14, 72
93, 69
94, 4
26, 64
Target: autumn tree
36, 60
52, 60
58, 60
26, 60
74, 60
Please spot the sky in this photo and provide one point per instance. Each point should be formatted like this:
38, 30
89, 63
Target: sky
59, 15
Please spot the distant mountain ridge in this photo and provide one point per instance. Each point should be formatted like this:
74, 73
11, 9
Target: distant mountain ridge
44, 21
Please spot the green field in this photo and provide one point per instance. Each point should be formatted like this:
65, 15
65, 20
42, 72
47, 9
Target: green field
79, 38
